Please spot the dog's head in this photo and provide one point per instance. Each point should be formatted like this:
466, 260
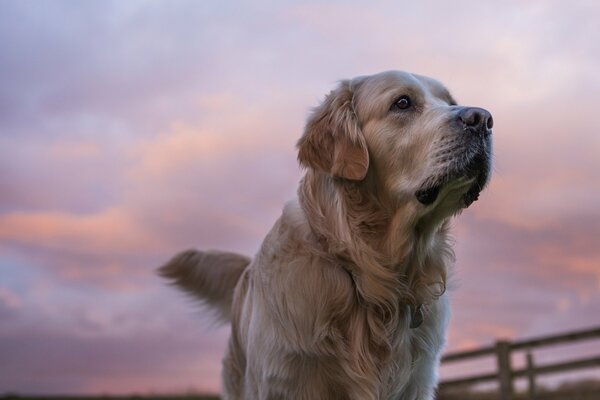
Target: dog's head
406, 133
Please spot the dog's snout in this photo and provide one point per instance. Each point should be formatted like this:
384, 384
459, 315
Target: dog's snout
476, 118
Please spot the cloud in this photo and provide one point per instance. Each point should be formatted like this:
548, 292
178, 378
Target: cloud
109, 365
147, 340
112, 231
10, 304
166, 190
513, 281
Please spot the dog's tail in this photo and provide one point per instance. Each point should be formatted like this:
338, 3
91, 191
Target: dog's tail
210, 276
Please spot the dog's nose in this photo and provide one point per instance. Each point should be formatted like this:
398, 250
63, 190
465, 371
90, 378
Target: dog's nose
477, 119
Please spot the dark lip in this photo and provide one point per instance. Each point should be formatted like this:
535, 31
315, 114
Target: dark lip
481, 170
478, 168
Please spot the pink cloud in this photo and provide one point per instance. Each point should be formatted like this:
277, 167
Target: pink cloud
9, 299
112, 230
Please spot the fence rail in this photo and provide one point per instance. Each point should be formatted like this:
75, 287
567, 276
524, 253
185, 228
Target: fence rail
505, 374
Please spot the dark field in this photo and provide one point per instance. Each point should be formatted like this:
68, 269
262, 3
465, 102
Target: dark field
583, 390
133, 397
588, 390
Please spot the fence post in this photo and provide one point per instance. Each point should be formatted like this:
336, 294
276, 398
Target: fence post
504, 370
531, 375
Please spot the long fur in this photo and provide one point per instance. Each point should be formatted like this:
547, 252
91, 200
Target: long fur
323, 311
209, 276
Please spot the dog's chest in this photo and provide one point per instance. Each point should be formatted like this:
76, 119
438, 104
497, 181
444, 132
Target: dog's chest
398, 369
415, 354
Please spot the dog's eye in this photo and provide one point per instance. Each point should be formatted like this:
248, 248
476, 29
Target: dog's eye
402, 103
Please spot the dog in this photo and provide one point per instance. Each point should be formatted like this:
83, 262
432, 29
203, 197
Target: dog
346, 297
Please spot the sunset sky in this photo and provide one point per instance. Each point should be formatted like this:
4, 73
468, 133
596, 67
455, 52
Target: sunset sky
130, 130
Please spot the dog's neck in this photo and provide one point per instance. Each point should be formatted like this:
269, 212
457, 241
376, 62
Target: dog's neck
390, 258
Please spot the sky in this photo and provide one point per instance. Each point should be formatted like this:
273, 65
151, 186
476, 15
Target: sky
131, 130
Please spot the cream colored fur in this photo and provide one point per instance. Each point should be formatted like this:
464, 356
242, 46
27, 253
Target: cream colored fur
323, 309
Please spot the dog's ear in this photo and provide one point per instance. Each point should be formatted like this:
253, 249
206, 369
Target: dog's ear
332, 140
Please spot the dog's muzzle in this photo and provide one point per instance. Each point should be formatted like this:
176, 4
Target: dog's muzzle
472, 160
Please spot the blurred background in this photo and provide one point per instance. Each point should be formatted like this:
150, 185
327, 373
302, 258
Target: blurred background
130, 130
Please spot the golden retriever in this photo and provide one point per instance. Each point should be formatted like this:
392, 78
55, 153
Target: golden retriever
345, 298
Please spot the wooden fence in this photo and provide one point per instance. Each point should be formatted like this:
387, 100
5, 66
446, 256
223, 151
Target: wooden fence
505, 375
